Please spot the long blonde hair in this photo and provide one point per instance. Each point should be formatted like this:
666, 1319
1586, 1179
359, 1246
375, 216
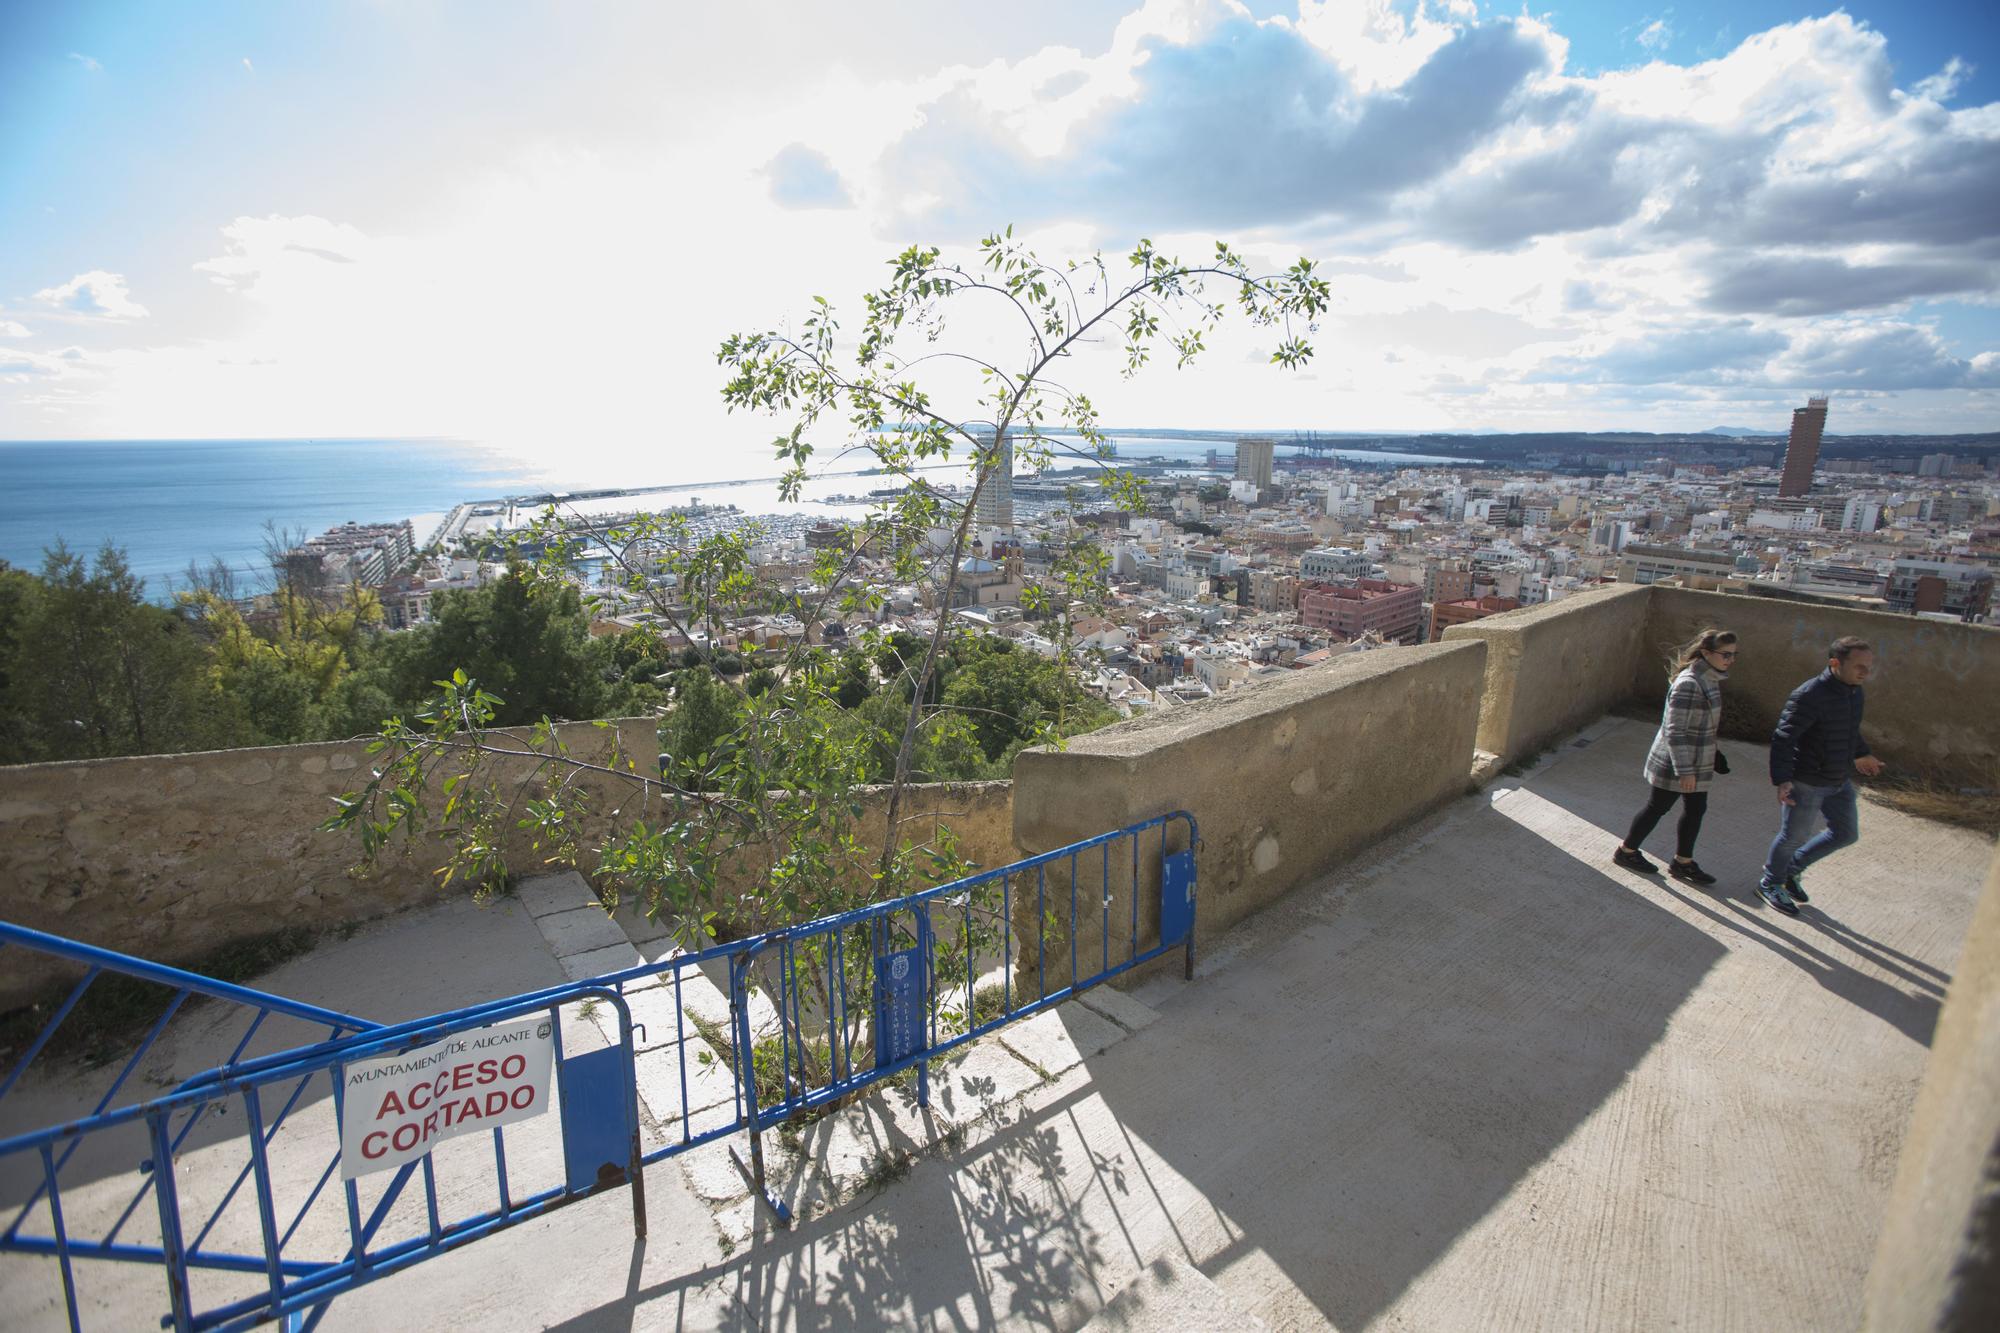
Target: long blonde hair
1690, 652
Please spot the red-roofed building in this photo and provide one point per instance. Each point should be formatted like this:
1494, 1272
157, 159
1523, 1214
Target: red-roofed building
1392, 610
1446, 614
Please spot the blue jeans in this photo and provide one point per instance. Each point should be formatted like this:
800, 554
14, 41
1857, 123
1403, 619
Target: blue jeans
1795, 847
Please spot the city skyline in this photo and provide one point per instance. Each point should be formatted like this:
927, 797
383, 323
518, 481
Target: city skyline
533, 228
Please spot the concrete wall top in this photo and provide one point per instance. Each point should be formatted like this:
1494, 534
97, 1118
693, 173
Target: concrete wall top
1285, 779
1552, 668
1200, 722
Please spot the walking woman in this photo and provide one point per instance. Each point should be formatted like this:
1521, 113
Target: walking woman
1684, 759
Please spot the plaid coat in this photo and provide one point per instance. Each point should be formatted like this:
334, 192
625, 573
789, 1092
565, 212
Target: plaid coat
1685, 742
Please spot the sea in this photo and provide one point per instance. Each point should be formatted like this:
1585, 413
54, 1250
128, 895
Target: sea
171, 503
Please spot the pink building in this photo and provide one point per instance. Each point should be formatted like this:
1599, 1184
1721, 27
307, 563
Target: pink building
1446, 614
1393, 610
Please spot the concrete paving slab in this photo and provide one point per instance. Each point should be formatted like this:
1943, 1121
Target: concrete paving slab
744, 1219
582, 1033
639, 928
701, 998
712, 1172
581, 930
543, 895
1062, 1038
1169, 1296
598, 962
660, 1073
1125, 1010
654, 1022
836, 1157
963, 1088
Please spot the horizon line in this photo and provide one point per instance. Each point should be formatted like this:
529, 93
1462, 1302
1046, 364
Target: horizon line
1273, 433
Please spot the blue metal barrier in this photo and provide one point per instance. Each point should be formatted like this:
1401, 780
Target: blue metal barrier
177, 986
853, 999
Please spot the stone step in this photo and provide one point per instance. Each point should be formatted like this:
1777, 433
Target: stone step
683, 1080
844, 1156
1168, 1296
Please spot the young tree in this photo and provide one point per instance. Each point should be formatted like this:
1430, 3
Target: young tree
892, 415
771, 773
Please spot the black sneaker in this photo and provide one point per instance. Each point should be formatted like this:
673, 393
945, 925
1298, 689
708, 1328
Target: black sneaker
1635, 861
1687, 872
1775, 895
1795, 890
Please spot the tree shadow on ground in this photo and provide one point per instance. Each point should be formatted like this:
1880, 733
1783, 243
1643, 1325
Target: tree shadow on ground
1021, 1248
1348, 1099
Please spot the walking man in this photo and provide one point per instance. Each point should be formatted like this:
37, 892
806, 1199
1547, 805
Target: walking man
1815, 752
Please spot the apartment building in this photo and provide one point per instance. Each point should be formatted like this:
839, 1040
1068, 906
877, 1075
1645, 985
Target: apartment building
1393, 611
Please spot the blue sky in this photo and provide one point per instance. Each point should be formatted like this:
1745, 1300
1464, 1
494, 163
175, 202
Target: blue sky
531, 223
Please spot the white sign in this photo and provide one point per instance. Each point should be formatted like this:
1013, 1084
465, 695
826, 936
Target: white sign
396, 1108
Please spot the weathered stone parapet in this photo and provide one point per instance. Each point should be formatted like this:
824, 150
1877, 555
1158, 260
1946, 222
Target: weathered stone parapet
172, 856
1552, 668
1937, 1263
1285, 779
1930, 703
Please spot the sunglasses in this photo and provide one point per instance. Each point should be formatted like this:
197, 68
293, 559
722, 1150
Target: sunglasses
1717, 652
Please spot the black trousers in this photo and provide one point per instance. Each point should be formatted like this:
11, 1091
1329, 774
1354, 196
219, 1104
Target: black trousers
1694, 804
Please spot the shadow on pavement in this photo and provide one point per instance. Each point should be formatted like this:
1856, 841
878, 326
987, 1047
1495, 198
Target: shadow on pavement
1742, 816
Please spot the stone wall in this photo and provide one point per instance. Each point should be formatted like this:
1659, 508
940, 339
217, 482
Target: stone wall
172, 856
1286, 779
978, 815
1552, 668
1937, 1262
1930, 703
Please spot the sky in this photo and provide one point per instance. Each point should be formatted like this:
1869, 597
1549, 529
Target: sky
531, 224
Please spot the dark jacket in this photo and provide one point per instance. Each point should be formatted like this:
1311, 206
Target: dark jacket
1819, 734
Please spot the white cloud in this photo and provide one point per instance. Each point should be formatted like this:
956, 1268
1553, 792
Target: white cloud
22, 364
1246, 123
1655, 36
1940, 86
1882, 355
96, 294
9, 329
85, 61
248, 66
569, 307
1510, 243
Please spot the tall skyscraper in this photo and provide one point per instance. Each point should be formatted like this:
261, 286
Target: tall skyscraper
1802, 450
996, 498
1253, 462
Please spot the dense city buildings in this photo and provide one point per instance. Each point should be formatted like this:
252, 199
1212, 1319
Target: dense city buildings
1237, 571
1645, 563
1802, 449
364, 553
1958, 590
